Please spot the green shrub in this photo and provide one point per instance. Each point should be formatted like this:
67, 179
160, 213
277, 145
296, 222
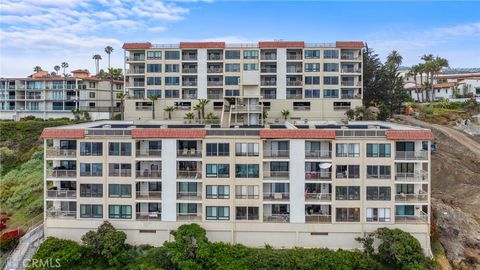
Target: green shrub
60, 254
399, 249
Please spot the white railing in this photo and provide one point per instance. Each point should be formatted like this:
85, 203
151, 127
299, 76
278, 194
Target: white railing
419, 218
276, 175
189, 217
411, 197
318, 154
57, 152
149, 152
61, 193
276, 153
189, 195
418, 176
149, 216
314, 175
318, 218
189, 153
411, 155
277, 218
56, 213
276, 196
157, 174
324, 197
61, 173
153, 195
182, 174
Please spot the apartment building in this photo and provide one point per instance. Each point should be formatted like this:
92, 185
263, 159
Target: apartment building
52, 96
247, 84
320, 184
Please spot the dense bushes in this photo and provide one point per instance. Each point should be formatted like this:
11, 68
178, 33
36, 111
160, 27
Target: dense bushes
8, 240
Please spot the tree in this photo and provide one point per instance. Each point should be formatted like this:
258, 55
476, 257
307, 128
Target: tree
399, 249
285, 113
59, 252
394, 58
153, 98
201, 105
122, 97
169, 109
189, 116
37, 69
372, 90
210, 118
414, 71
109, 51
113, 73
56, 68
64, 66
97, 58
198, 108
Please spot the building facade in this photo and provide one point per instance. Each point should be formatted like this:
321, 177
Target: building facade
51, 96
245, 83
314, 185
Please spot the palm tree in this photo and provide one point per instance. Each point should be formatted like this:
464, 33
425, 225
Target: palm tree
56, 68
395, 58
210, 118
189, 116
108, 50
421, 71
169, 109
285, 113
37, 68
414, 70
153, 98
64, 66
122, 97
198, 108
113, 73
202, 103
97, 58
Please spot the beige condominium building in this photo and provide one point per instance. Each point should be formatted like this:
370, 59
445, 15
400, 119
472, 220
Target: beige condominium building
319, 184
52, 96
313, 81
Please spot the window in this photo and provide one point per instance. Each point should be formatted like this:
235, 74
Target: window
119, 211
348, 171
218, 170
348, 214
330, 67
312, 67
330, 80
187, 188
91, 85
187, 209
378, 193
312, 54
119, 149
218, 192
218, 213
232, 80
118, 86
154, 68
157, 93
91, 190
246, 192
154, 80
91, 149
330, 93
169, 93
309, 80
348, 193
91, 211
246, 170
172, 55
172, 68
91, 169
91, 94
330, 54
172, 80
119, 190
246, 213
232, 67
378, 215
378, 150
341, 105
250, 54
247, 67
232, 92
246, 149
312, 93
218, 149
378, 172
232, 54
120, 169
348, 149
151, 55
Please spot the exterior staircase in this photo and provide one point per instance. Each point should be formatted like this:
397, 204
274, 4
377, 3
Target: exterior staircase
26, 248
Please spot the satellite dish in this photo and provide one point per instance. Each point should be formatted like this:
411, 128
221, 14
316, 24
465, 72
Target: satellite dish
325, 165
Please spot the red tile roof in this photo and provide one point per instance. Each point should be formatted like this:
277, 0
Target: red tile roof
281, 44
349, 44
409, 135
140, 46
63, 134
194, 45
296, 134
444, 85
167, 133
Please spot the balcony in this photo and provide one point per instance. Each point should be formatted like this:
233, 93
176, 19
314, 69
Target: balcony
189, 174
318, 197
314, 218
215, 96
294, 83
136, 71
411, 198
137, 84
268, 70
417, 218
189, 70
189, 217
145, 152
190, 153
268, 83
61, 153
276, 196
194, 196
215, 70
276, 175
294, 57
418, 176
292, 69
57, 213
59, 173
294, 96
148, 174
214, 57
268, 56
189, 83
350, 57
150, 216
148, 195
318, 175
276, 153
350, 96
61, 194
351, 83
136, 58
318, 154
277, 218
351, 70
214, 83
189, 57
411, 155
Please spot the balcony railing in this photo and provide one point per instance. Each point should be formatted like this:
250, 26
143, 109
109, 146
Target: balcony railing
349, 57
153, 174
214, 83
189, 83
294, 83
418, 176
268, 83
318, 219
350, 96
214, 70
149, 195
294, 96
189, 195
189, 70
182, 174
268, 57
411, 155
55, 213
189, 153
411, 197
276, 196
294, 70
120, 173
268, 70
64, 194
351, 70
276, 153
135, 71
149, 152
419, 218
269, 96
315, 197
214, 96
61, 173
276, 175
246, 108
149, 216
189, 217
189, 57
294, 57
214, 57
312, 175
318, 154
57, 152
277, 218
350, 83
